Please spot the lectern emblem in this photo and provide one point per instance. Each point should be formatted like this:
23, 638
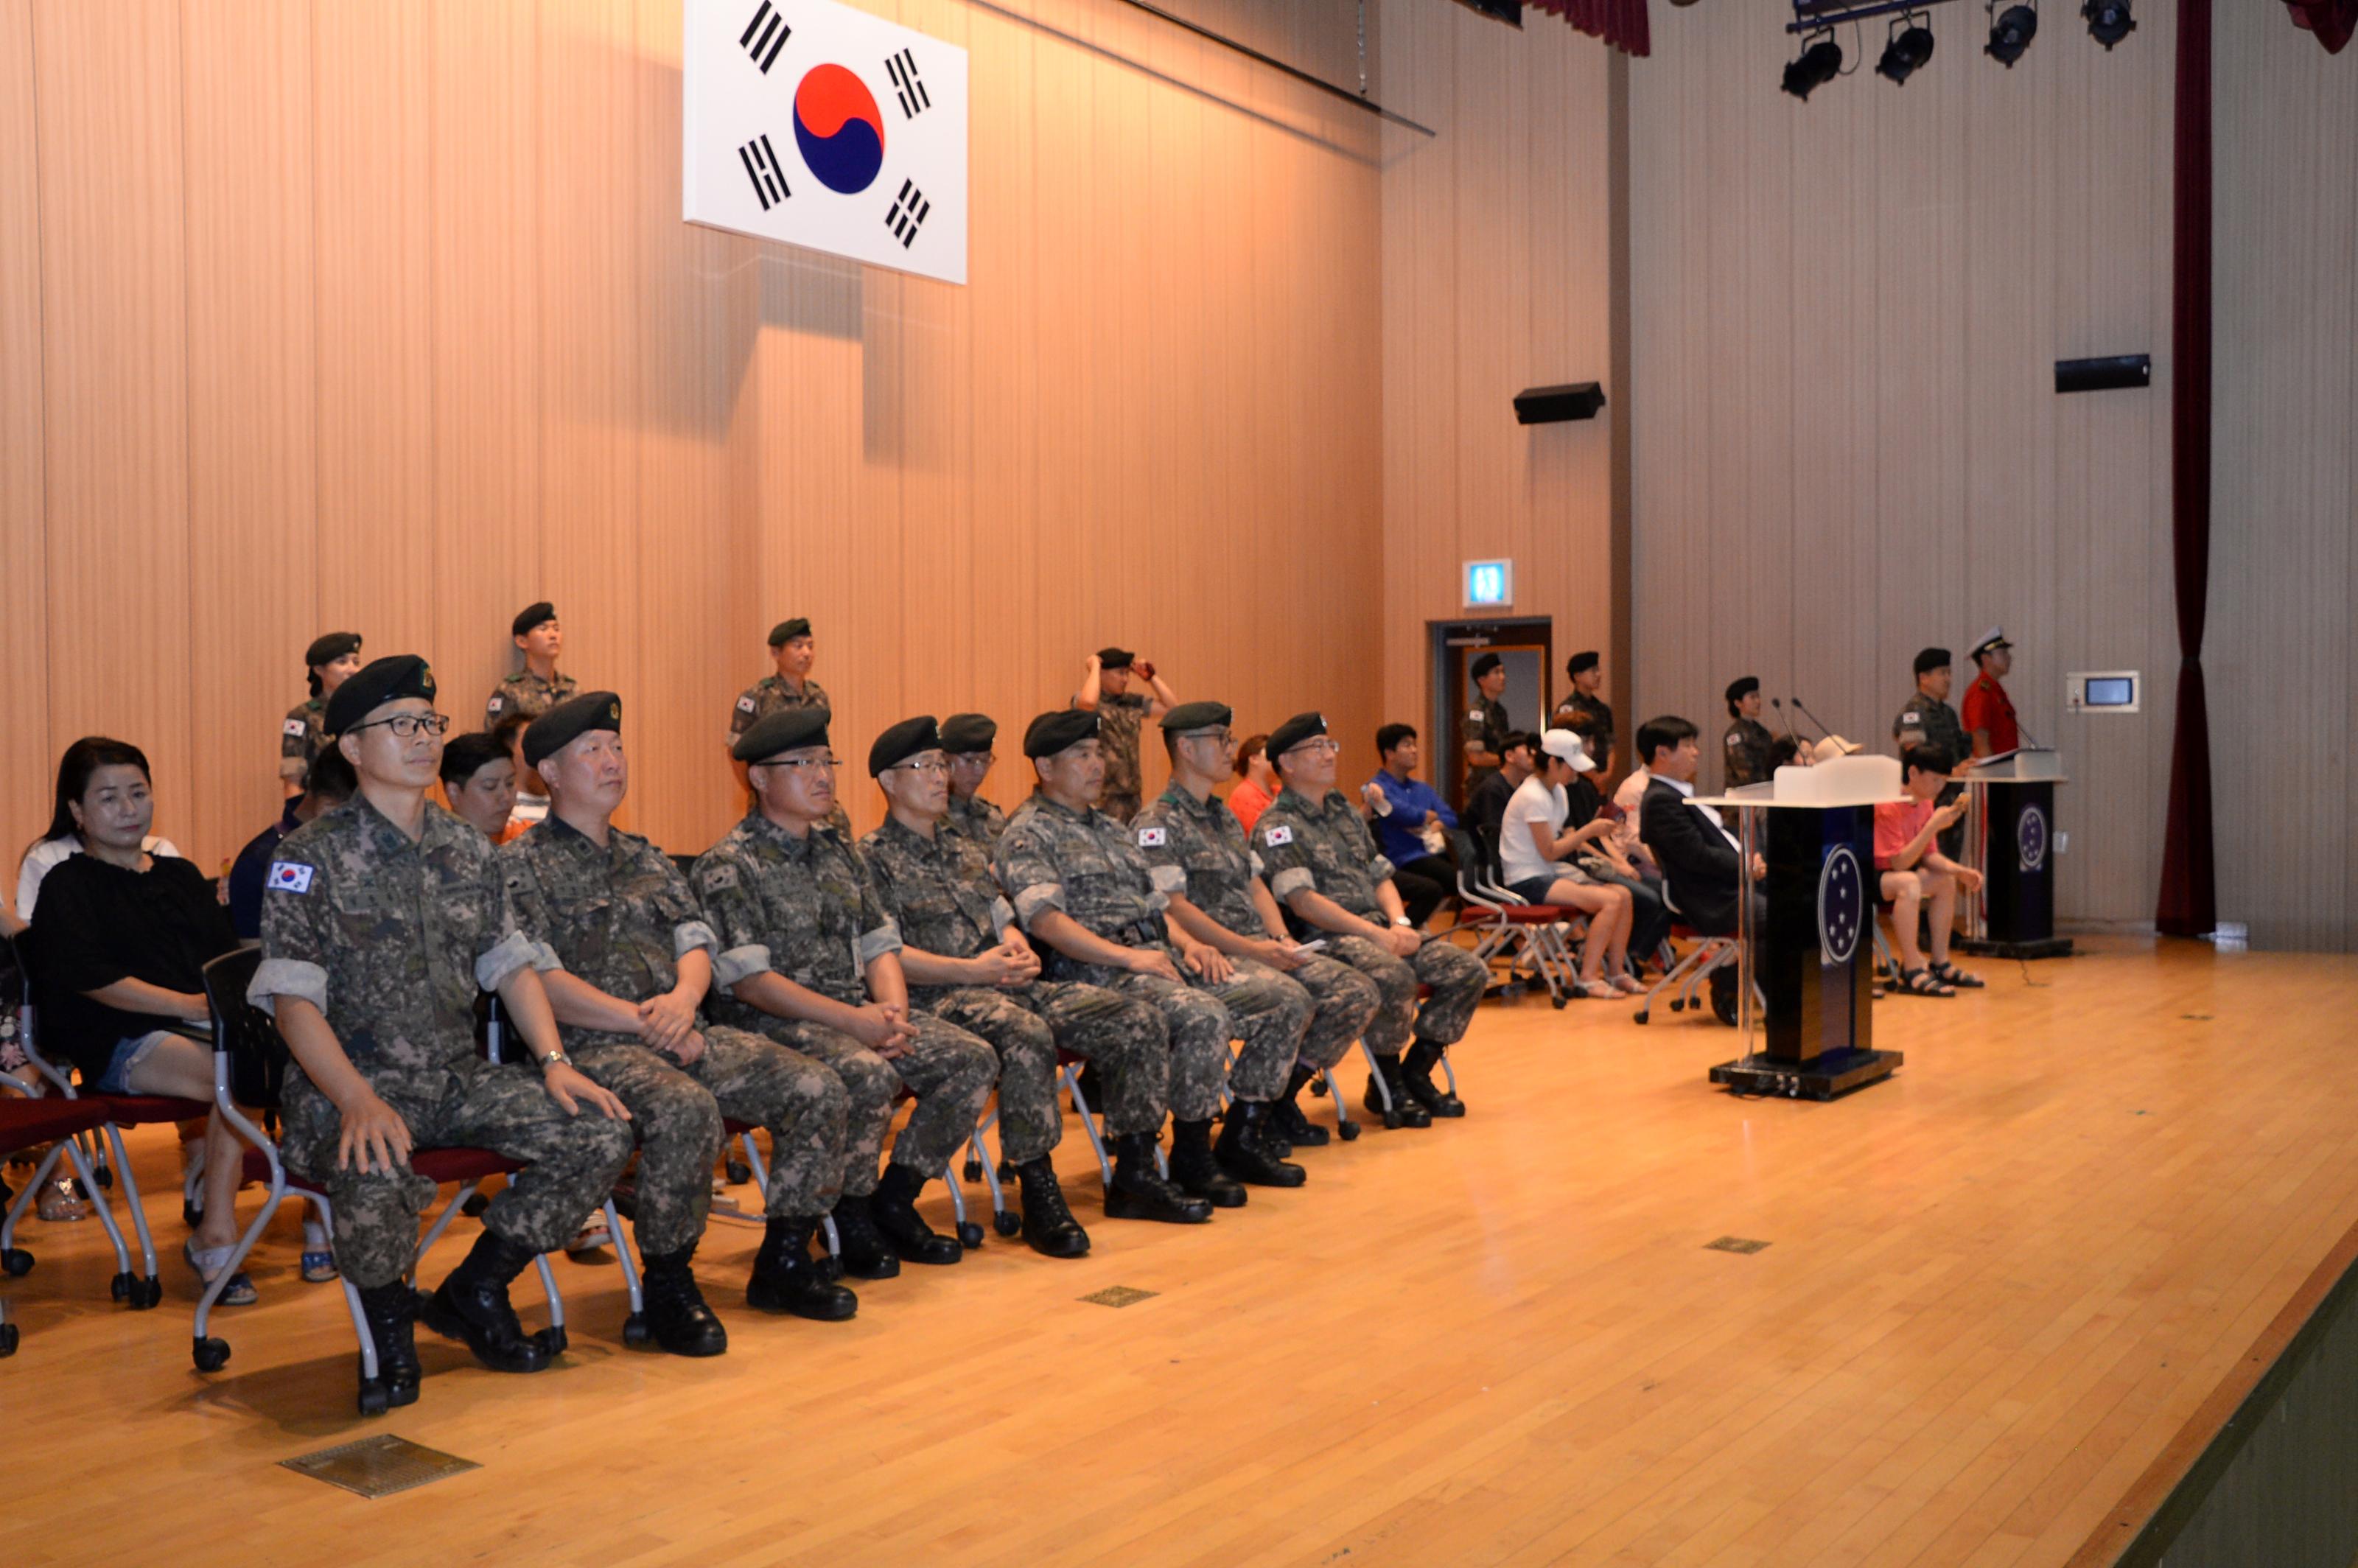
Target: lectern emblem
2030, 838
1842, 906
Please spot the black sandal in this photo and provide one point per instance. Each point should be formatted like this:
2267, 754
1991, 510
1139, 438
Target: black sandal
1949, 974
1924, 982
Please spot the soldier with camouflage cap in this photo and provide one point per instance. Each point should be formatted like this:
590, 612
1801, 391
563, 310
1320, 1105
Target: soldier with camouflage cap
809, 957
969, 962
1324, 866
537, 688
965, 740
1079, 884
330, 660
1104, 691
1213, 877
635, 958
379, 921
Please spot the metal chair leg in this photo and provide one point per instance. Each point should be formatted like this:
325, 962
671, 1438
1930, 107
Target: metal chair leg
1071, 1080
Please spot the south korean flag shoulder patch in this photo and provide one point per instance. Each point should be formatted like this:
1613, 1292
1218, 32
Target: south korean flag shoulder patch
1280, 834
745, 704
1475, 716
294, 726
288, 876
1153, 838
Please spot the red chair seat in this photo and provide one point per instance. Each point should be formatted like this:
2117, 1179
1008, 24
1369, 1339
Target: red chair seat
437, 1165
1530, 915
30, 1123
141, 1110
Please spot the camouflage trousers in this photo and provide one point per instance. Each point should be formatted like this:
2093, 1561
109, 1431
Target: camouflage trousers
1257, 1003
1456, 977
569, 1162
949, 1072
1124, 1037
676, 1112
1343, 1002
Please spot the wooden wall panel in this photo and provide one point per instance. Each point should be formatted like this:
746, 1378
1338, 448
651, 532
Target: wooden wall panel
24, 565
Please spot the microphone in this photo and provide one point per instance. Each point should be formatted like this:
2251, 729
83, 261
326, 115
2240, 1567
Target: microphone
1786, 718
1822, 730
2036, 744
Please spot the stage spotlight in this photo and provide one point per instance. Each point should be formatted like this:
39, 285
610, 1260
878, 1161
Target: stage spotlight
2108, 20
1909, 46
2011, 34
1820, 63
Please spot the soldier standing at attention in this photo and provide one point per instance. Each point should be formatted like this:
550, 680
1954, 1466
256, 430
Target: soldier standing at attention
1584, 709
969, 963
1213, 877
637, 963
965, 740
537, 688
1748, 744
1324, 866
794, 650
1926, 720
1989, 712
809, 957
1081, 887
1104, 691
328, 662
379, 921
1486, 724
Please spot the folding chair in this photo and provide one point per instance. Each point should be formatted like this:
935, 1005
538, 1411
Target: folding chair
1514, 928
250, 1069
1684, 976
28, 1123
1384, 1090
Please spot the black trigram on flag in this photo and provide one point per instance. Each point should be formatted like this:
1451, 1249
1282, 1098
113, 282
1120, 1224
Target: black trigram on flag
765, 36
909, 210
902, 68
761, 169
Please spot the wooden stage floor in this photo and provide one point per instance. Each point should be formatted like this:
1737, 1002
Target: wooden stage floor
1997, 1294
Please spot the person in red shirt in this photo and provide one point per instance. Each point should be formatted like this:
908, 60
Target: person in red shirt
1989, 712
1907, 855
1256, 782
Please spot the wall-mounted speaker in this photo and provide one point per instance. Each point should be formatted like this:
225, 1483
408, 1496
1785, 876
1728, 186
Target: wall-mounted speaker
2104, 374
1547, 404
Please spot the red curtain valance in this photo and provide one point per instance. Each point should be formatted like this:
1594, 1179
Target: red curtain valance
1621, 23
2332, 21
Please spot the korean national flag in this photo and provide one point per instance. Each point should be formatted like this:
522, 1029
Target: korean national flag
287, 876
818, 125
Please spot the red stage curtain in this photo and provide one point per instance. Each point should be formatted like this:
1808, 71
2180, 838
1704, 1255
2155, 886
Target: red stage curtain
2189, 904
1621, 23
2332, 20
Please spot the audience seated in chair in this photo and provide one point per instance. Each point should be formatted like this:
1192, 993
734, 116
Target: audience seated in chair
1256, 782
1915, 873
1704, 874
1534, 855
327, 783
478, 778
1412, 823
1606, 861
45, 853
1485, 803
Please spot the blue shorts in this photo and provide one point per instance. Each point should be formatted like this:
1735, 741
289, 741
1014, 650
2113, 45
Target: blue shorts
1534, 890
128, 1055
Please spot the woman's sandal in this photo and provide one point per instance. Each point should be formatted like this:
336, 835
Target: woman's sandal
209, 1262
1949, 974
1924, 982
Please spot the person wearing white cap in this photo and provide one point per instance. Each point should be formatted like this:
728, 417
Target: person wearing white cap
1534, 847
1988, 711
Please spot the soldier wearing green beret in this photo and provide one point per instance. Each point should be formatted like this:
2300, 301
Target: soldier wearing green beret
328, 662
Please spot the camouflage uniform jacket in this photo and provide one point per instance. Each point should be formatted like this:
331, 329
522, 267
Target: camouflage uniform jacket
1084, 864
1119, 718
805, 909
1326, 847
979, 819
939, 891
301, 736
1594, 712
620, 918
1751, 751
1197, 850
1929, 721
390, 940
767, 696
526, 693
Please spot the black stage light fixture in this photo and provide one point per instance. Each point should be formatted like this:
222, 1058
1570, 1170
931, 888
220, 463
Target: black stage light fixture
2106, 374
2011, 34
1548, 405
1910, 46
1820, 63
1507, 11
2108, 21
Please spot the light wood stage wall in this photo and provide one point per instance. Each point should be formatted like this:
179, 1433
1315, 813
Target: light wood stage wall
324, 315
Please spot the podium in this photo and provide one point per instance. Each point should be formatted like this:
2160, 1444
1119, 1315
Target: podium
2010, 839
1806, 964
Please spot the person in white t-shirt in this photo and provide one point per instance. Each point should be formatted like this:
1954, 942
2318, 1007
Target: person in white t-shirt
63, 842
1534, 847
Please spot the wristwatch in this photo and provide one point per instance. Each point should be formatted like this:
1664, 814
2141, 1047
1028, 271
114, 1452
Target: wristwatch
556, 1058
1402, 920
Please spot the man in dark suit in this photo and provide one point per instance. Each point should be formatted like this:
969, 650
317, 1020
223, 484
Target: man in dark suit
1702, 863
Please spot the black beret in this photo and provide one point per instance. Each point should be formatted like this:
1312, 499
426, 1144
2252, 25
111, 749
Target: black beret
783, 730
1743, 687
968, 732
381, 681
576, 716
1932, 659
1059, 731
1484, 666
327, 650
530, 616
1114, 658
902, 741
785, 632
1198, 716
1581, 661
1293, 732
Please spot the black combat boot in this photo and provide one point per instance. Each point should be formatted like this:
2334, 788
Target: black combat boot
1285, 1114
1417, 1072
1048, 1225
473, 1305
786, 1278
1243, 1151
392, 1314
1194, 1170
676, 1316
894, 1209
1405, 1110
861, 1247
1139, 1190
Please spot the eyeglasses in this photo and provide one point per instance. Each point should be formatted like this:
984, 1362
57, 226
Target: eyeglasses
920, 767
973, 759
405, 726
1327, 744
828, 763
1216, 737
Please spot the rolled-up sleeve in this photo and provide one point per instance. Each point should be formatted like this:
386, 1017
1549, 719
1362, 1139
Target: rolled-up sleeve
297, 934
1168, 879
1259, 868
276, 978
879, 940
1030, 902
736, 964
1292, 879
499, 963
1379, 868
1002, 915
733, 912
1030, 879
691, 935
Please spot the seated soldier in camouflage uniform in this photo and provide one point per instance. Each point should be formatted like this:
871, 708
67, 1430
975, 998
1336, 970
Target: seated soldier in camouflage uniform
967, 961
1213, 879
380, 920
1324, 866
637, 963
809, 957
1079, 885
965, 740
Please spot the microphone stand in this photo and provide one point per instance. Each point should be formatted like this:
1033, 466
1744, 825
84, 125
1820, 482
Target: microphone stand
1822, 730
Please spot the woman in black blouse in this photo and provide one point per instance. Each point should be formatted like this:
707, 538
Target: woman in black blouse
121, 939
